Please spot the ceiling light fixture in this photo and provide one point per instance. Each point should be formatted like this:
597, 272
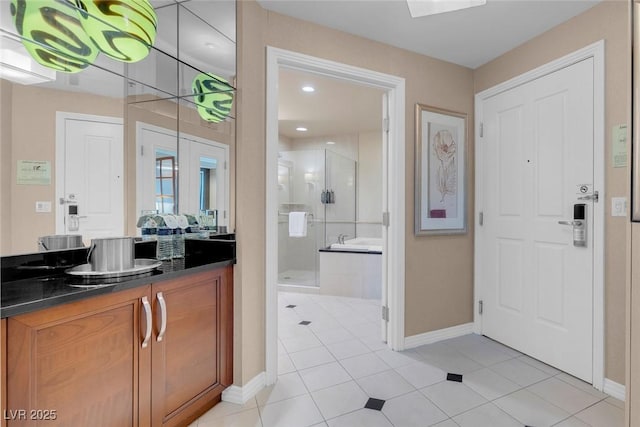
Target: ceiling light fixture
418, 8
308, 89
124, 31
20, 68
53, 34
301, 129
331, 143
213, 97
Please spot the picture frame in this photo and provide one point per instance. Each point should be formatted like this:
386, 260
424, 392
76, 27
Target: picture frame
440, 172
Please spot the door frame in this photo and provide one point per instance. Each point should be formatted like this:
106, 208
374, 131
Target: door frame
61, 135
394, 186
595, 51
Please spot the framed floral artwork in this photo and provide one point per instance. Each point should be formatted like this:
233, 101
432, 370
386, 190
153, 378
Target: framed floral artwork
441, 151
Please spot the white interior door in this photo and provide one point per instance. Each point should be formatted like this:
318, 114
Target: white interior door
537, 156
90, 155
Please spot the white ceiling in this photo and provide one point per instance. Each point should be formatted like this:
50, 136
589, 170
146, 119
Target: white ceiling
469, 37
335, 108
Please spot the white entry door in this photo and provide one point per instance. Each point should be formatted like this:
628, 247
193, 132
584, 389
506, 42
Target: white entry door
537, 161
90, 176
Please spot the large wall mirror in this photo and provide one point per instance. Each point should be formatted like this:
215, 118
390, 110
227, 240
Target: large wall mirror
117, 138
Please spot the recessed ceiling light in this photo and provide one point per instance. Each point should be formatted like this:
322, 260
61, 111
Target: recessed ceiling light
331, 143
308, 89
301, 129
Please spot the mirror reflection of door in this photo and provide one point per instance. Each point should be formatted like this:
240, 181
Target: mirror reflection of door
156, 174
206, 188
208, 183
89, 176
165, 182
201, 182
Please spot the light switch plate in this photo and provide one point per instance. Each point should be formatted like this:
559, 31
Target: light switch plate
618, 206
43, 207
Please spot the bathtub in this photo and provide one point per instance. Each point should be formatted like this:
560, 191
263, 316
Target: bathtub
359, 244
352, 268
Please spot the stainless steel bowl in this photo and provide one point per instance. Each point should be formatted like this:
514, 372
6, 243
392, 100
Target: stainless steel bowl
60, 241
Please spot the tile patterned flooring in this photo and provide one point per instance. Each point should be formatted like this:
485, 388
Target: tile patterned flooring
330, 368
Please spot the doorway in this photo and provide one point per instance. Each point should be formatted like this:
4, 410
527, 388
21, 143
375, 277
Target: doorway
393, 190
89, 175
539, 178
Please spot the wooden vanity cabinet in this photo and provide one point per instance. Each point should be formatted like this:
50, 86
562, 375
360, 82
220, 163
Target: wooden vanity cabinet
3, 370
79, 364
156, 355
192, 354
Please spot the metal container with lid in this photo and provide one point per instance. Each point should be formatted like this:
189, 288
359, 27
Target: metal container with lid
112, 254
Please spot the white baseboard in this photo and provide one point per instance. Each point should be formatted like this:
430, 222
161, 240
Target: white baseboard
439, 335
614, 389
241, 394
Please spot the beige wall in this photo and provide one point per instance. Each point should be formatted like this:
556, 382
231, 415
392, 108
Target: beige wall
608, 21
633, 330
5, 166
438, 269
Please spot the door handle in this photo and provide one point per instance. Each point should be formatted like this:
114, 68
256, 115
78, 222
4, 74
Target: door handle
147, 314
595, 197
571, 223
163, 316
579, 224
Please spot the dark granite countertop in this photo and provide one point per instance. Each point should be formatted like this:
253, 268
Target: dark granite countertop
35, 281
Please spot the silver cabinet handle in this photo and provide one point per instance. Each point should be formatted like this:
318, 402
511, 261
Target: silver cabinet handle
163, 316
147, 314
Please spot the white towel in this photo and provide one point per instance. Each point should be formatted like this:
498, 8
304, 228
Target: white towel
297, 224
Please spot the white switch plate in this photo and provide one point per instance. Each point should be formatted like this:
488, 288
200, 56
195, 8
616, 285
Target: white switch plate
618, 206
43, 207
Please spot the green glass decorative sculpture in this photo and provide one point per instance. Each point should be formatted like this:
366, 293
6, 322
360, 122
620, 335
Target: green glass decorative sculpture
52, 34
122, 29
214, 97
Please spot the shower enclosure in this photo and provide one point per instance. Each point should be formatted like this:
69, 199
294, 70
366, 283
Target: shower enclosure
321, 183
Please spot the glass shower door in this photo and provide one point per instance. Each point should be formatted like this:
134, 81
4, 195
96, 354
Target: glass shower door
300, 182
340, 212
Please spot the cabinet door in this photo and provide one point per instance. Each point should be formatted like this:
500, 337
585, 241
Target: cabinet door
80, 364
191, 355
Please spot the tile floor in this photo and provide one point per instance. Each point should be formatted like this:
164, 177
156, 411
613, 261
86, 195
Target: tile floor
330, 368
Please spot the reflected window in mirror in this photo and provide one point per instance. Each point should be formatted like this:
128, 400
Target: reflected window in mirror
208, 186
165, 182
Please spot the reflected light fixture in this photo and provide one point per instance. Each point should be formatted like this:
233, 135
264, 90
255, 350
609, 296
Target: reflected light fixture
308, 89
418, 8
20, 68
52, 34
213, 97
331, 143
301, 129
122, 30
